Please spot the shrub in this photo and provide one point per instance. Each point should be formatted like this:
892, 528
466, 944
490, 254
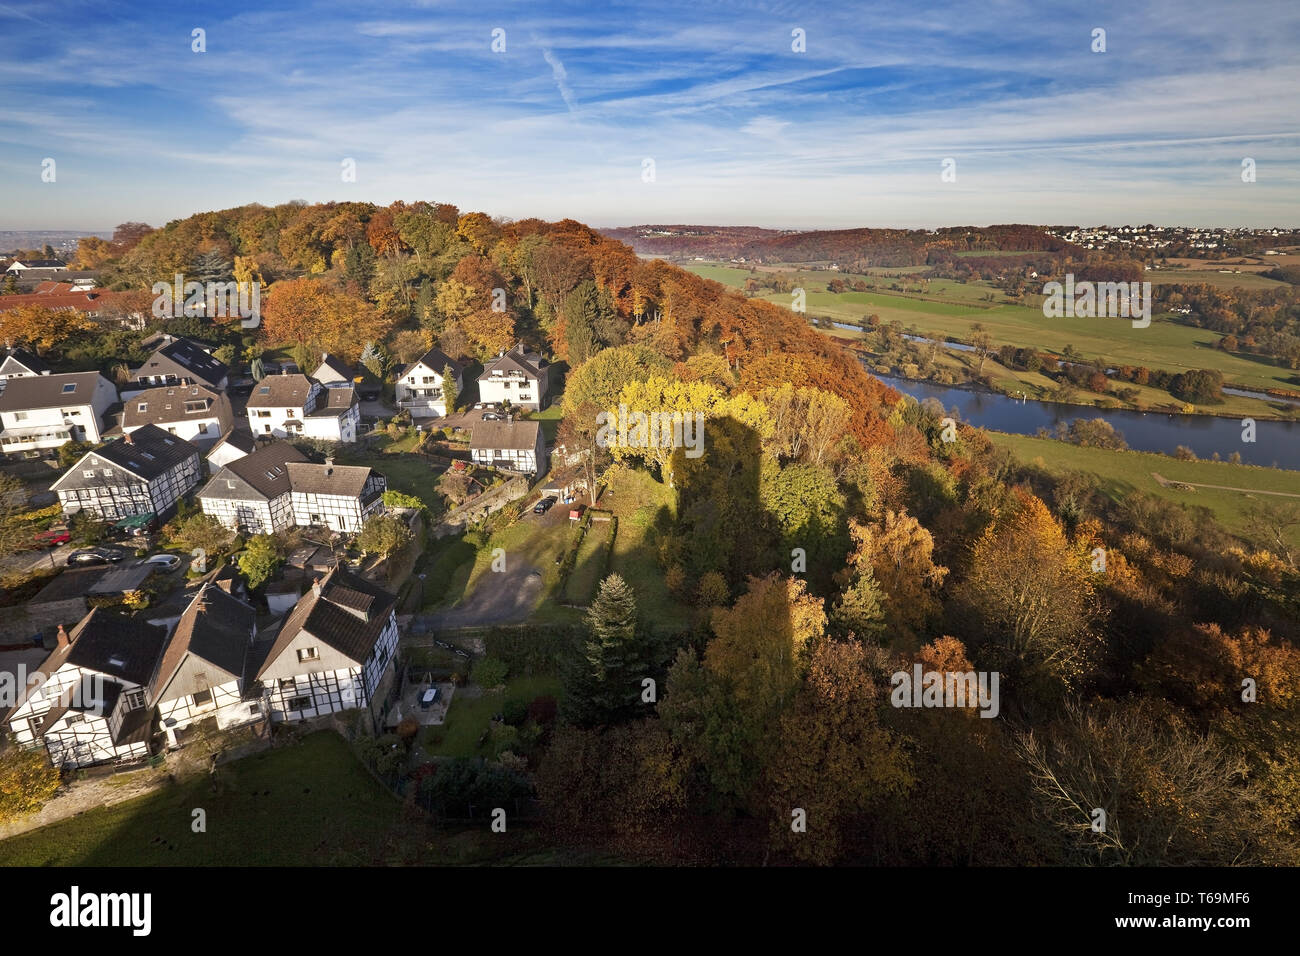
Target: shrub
489, 672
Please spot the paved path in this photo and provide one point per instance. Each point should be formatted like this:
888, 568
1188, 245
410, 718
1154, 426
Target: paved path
500, 597
1168, 482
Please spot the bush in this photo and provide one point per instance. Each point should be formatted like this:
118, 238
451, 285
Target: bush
489, 672
515, 711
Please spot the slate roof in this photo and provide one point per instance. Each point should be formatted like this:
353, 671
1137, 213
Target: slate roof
281, 391
27, 360
244, 441
347, 481
46, 391
337, 399
333, 617
517, 436
516, 360
217, 628
336, 365
183, 358
148, 452
165, 404
263, 474
435, 359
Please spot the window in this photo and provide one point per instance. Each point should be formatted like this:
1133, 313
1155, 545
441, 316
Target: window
286, 683
266, 429
203, 428
288, 413
108, 472
143, 407
134, 699
75, 719
203, 698
37, 722
171, 430
315, 519
254, 709
69, 388
88, 473
300, 703
309, 653
20, 416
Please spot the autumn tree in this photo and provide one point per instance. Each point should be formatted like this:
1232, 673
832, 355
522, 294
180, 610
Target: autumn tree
40, 328
834, 759
898, 555
310, 313
27, 781
383, 535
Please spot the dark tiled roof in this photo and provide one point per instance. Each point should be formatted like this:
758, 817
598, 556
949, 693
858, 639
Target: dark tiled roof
518, 436
46, 391
514, 360
435, 359
215, 627
280, 391
41, 263
112, 644
336, 400
27, 360
345, 480
266, 471
336, 365
183, 358
352, 633
244, 441
74, 582
177, 403
147, 452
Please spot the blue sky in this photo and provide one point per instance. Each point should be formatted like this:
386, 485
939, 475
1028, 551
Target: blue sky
742, 130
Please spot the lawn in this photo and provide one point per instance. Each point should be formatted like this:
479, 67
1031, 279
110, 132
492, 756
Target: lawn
550, 419
468, 717
637, 499
413, 476
305, 804
589, 564
1123, 472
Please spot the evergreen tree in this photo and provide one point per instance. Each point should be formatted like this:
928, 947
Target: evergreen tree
212, 266
257, 369
449, 388
604, 683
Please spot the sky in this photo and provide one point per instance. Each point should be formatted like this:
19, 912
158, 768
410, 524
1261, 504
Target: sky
618, 113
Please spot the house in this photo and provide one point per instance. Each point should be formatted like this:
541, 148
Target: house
295, 406
19, 266
202, 673
517, 376
233, 444
333, 652
144, 472
276, 488
193, 412
91, 701
513, 445
38, 413
419, 385
333, 371
20, 363
182, 362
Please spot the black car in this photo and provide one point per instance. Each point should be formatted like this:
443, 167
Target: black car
94, 556
543, 506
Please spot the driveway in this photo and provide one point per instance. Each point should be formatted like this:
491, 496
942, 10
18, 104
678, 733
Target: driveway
500, 597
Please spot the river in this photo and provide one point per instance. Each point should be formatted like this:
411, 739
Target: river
1276, 444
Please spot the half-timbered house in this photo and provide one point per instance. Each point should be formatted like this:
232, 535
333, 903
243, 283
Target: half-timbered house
144, 472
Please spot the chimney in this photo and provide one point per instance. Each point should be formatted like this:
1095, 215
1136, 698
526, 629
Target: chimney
63, 637
329, 459
126, 437
315, 587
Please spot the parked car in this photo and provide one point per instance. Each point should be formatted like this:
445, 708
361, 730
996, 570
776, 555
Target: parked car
52, 538
491, 417
164, 562
543, 506
290, 368
88, 556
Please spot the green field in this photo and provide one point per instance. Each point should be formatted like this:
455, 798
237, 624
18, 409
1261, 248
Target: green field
589, 564
1163, 345
303, 804
1124, 472
1218, 280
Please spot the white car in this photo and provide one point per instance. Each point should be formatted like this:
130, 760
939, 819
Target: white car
164, 562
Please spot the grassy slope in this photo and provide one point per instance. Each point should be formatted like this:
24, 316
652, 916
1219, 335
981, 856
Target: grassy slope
314, 804
1123, 472
468, 717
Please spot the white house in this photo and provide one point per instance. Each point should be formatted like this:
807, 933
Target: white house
20, 363
334, 651
513, 445
182, 362
295, 406
19, 266
517, 376
193, 412
91, 703
144, 472
233, 444
201, 674
38, 413
276, 488
419, 386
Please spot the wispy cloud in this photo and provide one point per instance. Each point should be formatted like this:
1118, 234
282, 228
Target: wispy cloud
561, 79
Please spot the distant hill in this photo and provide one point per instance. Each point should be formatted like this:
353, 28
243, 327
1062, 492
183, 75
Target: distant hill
850, 248
63, 240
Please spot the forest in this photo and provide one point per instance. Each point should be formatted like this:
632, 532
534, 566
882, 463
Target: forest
832, 535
